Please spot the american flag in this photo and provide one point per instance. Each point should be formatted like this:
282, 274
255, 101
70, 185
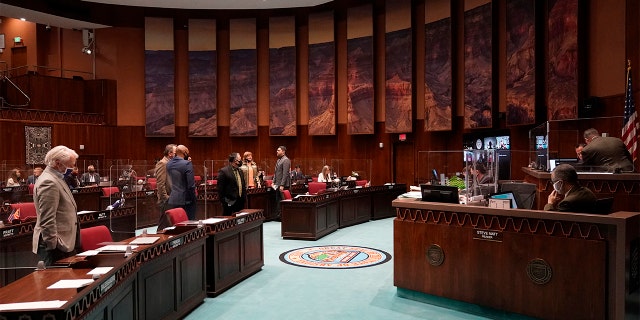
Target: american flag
630, 126
14, 215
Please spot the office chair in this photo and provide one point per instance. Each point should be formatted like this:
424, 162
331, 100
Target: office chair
91, 238
603, 206
108, 191
315, 187
27, 210
287, 194
177, 215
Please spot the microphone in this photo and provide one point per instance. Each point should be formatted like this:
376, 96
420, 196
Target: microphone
40, 266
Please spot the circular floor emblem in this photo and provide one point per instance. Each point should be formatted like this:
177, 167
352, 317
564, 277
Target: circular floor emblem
335, 257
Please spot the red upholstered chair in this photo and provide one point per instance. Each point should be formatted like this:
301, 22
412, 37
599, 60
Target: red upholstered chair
177, 215
31, 186
361, 183
287, 194
197, 179
153, 183
268, 183
108, 191
27, 210
91, 238
315, 187
212, 182
314, 179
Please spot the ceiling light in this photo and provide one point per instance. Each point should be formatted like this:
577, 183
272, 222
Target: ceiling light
86, 50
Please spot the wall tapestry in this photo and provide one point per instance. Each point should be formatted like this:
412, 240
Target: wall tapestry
203, 79
398, 66
322, 104
562, 74
477, 67
521, 62
360, 95
38, 143
243, 78
159, 78
437, 69
282, 76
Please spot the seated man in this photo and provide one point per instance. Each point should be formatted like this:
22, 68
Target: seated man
567, 193
607, 152
91, 177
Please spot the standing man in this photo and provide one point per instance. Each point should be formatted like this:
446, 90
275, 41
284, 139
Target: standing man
163, 185
183, 184
91, 177
281, 178
608, 152
232, 188
37, 171
57, 232
567, 194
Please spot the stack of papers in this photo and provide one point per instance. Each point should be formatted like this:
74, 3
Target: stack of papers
144, 240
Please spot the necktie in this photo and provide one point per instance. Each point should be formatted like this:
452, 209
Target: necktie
250, 175
239, 181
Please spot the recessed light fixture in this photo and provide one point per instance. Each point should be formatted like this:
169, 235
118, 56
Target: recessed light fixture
23, 19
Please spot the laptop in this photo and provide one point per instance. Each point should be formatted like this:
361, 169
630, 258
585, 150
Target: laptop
506, 195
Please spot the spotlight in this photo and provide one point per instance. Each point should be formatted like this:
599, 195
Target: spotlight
86, 50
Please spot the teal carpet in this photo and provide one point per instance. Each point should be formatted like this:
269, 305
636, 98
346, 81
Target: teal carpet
283, 291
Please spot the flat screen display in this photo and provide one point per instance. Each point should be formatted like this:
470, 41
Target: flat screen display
506, 195
437, 193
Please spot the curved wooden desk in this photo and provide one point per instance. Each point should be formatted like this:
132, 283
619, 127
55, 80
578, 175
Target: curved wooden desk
543, 264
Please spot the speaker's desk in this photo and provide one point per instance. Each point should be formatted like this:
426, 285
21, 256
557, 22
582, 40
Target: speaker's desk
163, 280
235, 249
543, 264
623, 187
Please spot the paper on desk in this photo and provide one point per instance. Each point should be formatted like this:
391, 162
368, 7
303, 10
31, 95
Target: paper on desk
100, 270
116, 247
241, 213
213, 220
144, 240
71, 283
33, 305
412, 195
85, 211
88, 253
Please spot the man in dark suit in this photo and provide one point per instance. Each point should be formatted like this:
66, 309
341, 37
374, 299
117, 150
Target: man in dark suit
57, 233
232, 188
37, 171
567, 193
183, 184
281, 177
609, 153
91, 177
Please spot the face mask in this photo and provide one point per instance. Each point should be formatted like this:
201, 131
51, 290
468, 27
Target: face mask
557, 186
68, 171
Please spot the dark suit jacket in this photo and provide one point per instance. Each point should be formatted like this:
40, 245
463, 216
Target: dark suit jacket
281, 176
228, 186
84, 180
183, 184
579, 199
608, 152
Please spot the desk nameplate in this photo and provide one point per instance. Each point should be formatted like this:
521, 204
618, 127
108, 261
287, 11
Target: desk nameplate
488, 235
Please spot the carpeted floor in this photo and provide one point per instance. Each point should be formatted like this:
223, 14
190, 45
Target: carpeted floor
284, 291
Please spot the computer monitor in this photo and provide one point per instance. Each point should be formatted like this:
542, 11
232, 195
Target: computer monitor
506, 195
438, 193
524, 192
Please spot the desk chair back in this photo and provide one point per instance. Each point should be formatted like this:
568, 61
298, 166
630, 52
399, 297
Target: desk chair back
176, 215
92, 237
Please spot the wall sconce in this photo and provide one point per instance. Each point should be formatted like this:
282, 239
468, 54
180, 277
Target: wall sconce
87, 50
87, 41
381, 145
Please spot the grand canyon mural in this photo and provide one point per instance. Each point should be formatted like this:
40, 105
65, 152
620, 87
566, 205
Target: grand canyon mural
159, 93
243, 85
398, 117
203, 89
437, 76
360, 112
477, 67
282, 91
562, 74
520, 68
322, 103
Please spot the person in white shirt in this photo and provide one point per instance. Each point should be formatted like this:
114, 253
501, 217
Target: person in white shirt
325, 175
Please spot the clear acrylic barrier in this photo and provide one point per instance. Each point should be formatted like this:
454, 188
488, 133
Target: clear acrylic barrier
557, 139
474, 172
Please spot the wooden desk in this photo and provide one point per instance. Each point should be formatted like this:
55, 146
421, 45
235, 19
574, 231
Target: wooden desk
143, 202
257, 198
88, 198
16, 258
235, 250
164, 280
623, 187
543, 264
312, 217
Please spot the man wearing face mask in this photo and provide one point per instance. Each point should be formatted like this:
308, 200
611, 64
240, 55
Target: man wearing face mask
567, 193
56, 234
183, 184
232, 188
